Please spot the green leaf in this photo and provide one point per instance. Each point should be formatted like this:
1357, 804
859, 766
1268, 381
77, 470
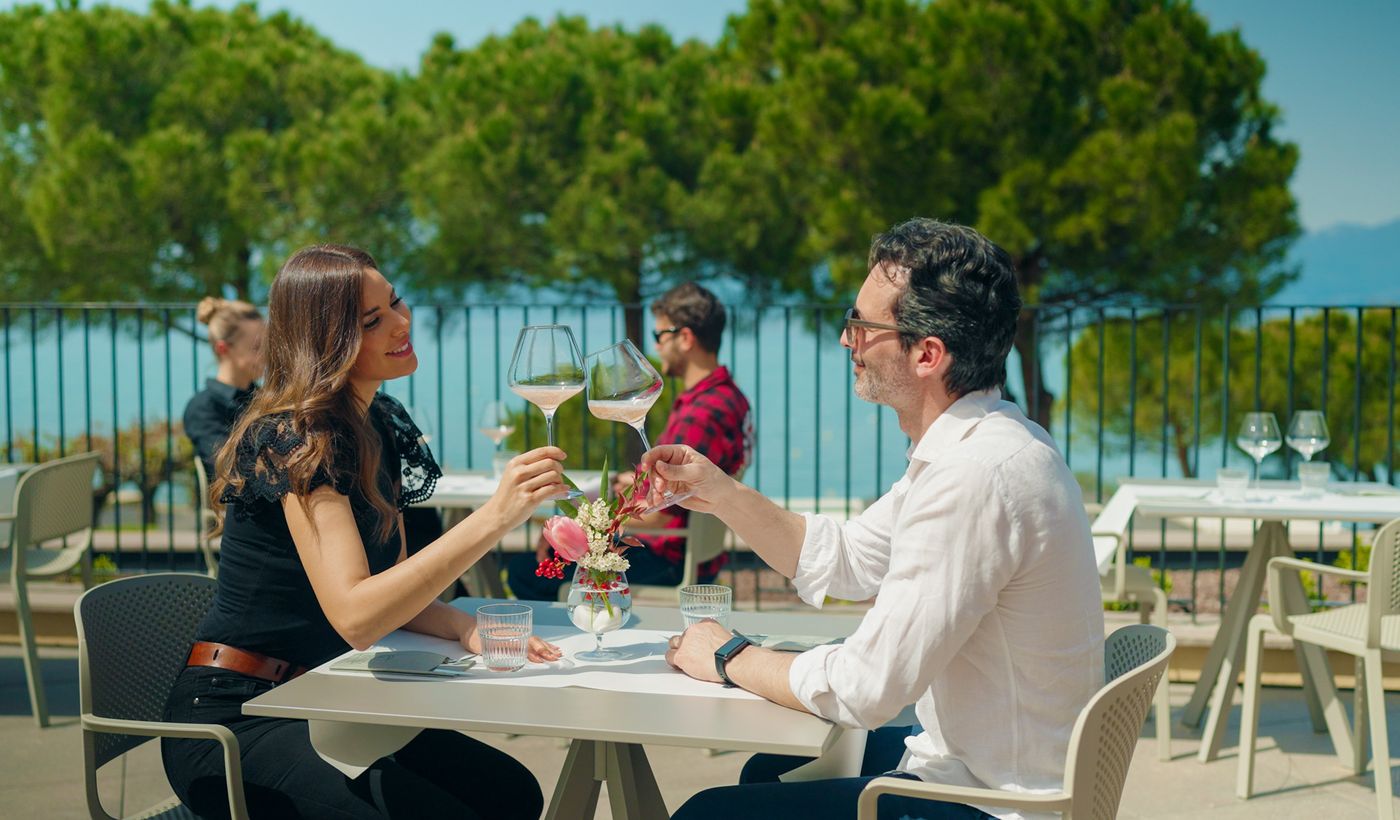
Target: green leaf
567, 506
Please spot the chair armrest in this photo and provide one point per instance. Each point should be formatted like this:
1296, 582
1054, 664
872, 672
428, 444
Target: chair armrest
1278, 567
1054, 801
233, 764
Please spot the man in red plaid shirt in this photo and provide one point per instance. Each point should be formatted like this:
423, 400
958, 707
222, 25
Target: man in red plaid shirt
711, 415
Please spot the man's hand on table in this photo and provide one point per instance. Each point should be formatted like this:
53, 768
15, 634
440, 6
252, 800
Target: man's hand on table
693, 651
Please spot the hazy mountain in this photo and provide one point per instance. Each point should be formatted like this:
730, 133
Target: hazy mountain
1347, 265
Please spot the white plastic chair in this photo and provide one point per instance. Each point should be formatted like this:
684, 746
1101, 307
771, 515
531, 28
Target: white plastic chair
704, 541
134, 635
52, 501
1367, 631
1100, 749
1130, 583
208, 519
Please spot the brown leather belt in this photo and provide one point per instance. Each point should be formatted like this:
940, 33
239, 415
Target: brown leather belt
252, 664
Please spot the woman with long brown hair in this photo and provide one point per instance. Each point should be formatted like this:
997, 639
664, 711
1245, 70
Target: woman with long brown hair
313, 479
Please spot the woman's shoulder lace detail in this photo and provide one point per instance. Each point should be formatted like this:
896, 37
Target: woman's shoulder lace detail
261, 463
419, 470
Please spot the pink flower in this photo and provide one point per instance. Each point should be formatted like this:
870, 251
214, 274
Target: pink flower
567, 537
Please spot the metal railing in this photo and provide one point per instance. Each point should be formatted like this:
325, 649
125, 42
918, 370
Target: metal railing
1143, 391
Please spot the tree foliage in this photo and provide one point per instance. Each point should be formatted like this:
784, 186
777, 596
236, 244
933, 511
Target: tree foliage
162, 155
1116, 148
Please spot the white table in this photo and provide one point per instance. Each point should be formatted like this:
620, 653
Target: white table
458, 493
1272, 504
607, 728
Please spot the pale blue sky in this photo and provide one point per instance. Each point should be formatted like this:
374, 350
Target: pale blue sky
1333, 66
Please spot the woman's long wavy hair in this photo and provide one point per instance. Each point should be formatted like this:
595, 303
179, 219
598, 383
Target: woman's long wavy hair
313, 337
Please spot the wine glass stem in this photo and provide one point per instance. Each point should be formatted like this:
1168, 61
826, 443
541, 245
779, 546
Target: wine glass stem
1258, 465
597, 642
549, 428
642, 431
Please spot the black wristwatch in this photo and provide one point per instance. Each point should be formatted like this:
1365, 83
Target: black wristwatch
726, 653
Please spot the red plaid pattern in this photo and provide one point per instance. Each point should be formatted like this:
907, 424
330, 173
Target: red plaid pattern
712, 417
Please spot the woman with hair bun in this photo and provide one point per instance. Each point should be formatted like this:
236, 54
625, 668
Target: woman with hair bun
314, 479
236, 335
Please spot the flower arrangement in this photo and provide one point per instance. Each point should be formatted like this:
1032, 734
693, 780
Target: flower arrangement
590, 535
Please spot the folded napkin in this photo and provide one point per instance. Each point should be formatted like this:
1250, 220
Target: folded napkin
405, 662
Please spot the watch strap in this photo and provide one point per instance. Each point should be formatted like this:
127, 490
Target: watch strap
726, 653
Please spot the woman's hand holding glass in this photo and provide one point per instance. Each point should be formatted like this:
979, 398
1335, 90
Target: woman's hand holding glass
538, 651
528, 480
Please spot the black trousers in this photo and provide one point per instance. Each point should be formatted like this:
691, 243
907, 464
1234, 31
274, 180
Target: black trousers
760, 796
438, 774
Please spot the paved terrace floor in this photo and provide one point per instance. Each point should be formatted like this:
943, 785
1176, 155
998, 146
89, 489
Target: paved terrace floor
1297, 774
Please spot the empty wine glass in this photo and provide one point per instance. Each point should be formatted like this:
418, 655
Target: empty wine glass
1307, 433
495, 422
1259, 436
547, 371
622, 386
423, 420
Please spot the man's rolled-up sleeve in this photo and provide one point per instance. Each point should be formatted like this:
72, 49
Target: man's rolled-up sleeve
949, 562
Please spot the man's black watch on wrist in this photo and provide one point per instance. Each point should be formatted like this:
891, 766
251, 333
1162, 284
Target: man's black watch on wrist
726, 653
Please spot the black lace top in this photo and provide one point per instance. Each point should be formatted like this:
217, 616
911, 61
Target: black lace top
264, 602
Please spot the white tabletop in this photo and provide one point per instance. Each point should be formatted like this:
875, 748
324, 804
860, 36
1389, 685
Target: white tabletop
572, 712
1366, 502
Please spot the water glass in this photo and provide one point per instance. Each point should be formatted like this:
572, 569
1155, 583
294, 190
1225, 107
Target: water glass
701, 601
505, 635
1313, 475
1232, 483
499, 460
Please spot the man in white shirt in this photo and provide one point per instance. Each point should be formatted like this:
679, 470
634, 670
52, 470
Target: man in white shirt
986, 614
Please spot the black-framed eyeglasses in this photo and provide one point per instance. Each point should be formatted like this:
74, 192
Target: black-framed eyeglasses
852, 323
657, 334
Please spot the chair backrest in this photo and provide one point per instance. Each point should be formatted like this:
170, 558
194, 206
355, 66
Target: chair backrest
54, 499
705, 543
1101, 748
208, 519
1383, 590
134, 636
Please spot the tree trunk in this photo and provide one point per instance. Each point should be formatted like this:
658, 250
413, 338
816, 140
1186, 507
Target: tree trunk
1038, 400
1183, 452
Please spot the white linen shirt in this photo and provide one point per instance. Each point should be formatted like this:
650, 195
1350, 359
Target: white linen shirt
987, 612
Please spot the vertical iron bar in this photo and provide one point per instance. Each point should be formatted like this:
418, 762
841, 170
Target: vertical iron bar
1325, 405
1132, 393
440, 422
1196, 397
1258, 356
199, 500
62, 405
116, 452
34, 377
1098, 467
1292, 351
141, 431
87, 376
1356, 434
1069, 381
169, 473
817, 412
787, 407
1390, 408
9, 380
1166, 410
1224, 439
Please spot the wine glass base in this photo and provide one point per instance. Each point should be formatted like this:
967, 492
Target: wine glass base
570, 495
594, 655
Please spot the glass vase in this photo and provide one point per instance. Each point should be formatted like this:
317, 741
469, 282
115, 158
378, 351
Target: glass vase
599, 602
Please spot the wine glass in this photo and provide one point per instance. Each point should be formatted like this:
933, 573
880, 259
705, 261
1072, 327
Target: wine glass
495, 422
423, 420
1259, 436
547, 371
622, 386
1307, 433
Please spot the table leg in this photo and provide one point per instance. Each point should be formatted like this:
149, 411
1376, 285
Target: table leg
485, 577
632, 790
576, 794
1234, 622
1270, 540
